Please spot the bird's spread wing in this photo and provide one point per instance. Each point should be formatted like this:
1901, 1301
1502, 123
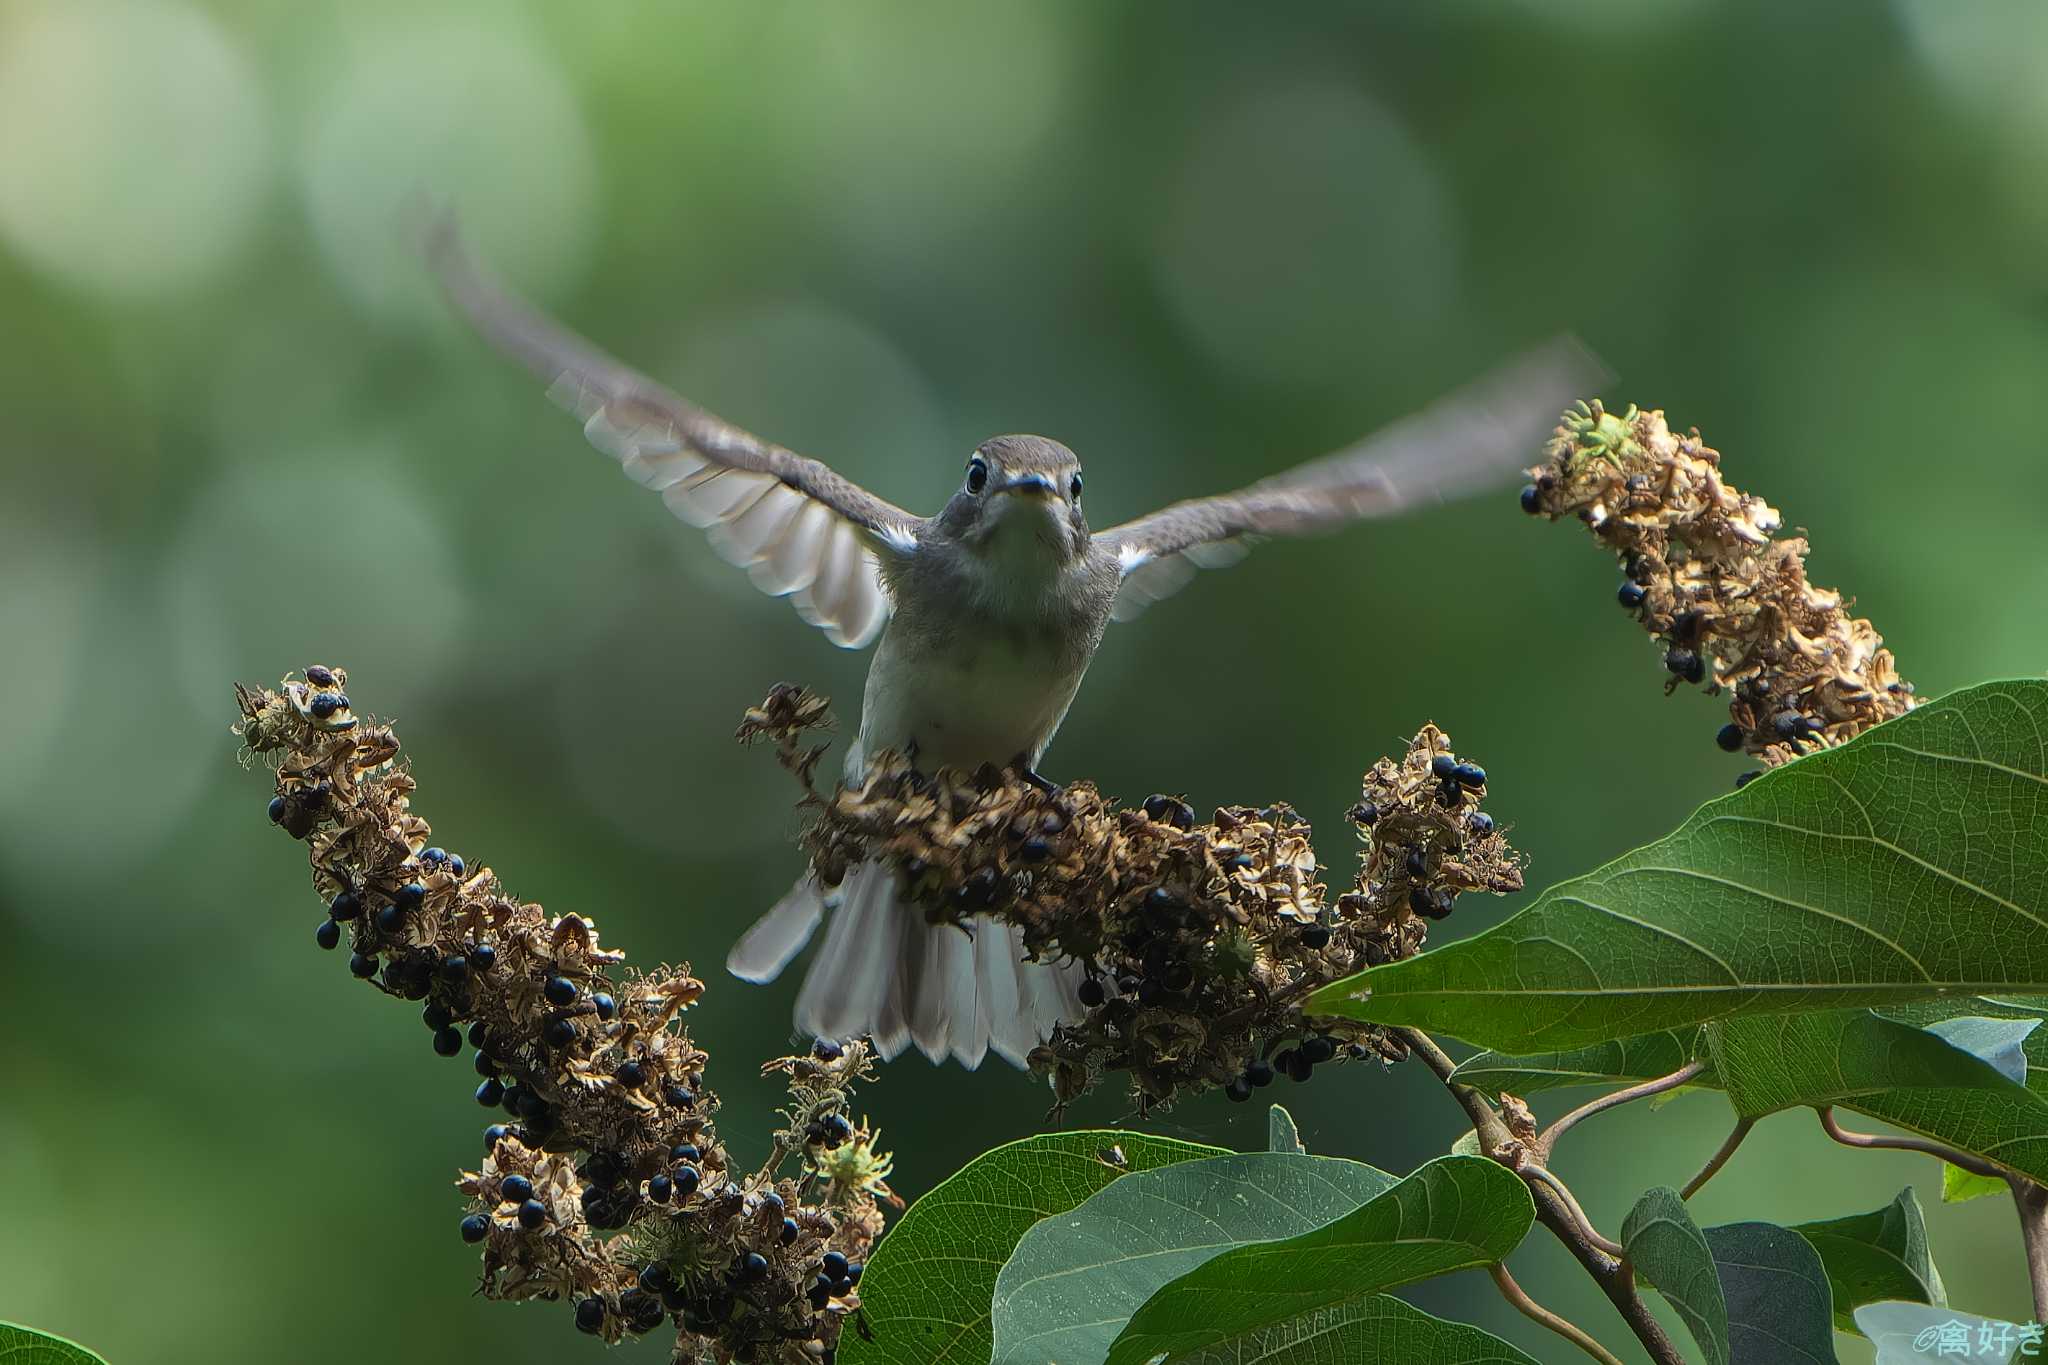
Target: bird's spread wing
1461, 443
797, 528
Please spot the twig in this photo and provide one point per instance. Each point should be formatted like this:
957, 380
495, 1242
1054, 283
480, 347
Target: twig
2031, 1200
1536, 1312
1616, 1277
1546, 1141
1974, 1165
1719, 1158
1534, 1171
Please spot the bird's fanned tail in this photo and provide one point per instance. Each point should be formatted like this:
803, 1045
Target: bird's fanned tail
883, 972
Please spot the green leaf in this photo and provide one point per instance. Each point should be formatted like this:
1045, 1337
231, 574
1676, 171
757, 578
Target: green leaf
1780, 1061
1892, 1071
1928, 1013
1281, 1134
1872, 1257
1910, 862
1623, 1060
1777, 1295
1374, 1330
925, 1291
1999, 1042
1455, 1212
1668, 1249
1074, 1279
26, 1346
1959, 1186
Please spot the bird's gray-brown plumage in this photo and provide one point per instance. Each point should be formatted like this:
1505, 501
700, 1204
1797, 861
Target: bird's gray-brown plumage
988, 614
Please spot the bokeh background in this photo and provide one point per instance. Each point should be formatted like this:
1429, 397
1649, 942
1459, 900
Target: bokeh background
238, 433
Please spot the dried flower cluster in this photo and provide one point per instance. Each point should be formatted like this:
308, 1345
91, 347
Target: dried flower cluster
1730, 604
1199, 938
610, 1127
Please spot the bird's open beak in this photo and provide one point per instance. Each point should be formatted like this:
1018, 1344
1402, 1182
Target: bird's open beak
1031, 486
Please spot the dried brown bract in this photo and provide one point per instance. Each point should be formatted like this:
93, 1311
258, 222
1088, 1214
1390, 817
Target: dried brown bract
1730, 603
608, 1188
1199, 938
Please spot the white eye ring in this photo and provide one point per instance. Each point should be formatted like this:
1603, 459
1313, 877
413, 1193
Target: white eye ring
977, 474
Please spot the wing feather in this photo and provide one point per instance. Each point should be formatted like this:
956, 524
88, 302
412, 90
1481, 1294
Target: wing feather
797, 528
1456, 446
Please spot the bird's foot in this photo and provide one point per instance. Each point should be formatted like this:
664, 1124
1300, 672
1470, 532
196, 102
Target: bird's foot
1021, 764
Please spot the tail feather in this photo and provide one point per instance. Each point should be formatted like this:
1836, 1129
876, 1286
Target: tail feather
883, 972
764, 950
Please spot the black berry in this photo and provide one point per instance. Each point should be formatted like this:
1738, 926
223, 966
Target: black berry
325, 704
687, 1180
475, 1228
493, 1133
1686, 664
1315, 937
276, 809
1443, 765
436, 1015
590, 1315
684, 1151
456, 865
660, 1188
409, 895
454, 968
391, 918
631, 1075
790, 1231
655, 1276
826, 1050
679, 1096
328, 934
1364, 813
448, 1041
363, 965
1532, 500
560, 991
753, 1265
320, 677
515, 1189
1091, 992
345, 906
482, 957
490, 1093
1469, 775
1238, 1091
833, 1263
606, 1006
1480, 823
1034, 850
433, 857
532, 1214
1631, 595
1730, 737
558, 1033
1744, 779
1317, 1048
1259, 1072
1418, 863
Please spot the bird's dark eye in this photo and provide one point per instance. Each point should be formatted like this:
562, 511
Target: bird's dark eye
977, 474
1074, 488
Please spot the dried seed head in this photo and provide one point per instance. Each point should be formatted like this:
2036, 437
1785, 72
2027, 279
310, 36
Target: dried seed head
614, 1166
1730, 602
1200, 938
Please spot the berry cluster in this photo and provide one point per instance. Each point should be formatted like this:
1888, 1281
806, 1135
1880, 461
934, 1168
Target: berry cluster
1198, 938
608, 1122
1730, 605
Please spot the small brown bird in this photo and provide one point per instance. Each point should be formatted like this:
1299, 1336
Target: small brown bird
988, 614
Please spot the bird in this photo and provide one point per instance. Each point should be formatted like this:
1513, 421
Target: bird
985, 617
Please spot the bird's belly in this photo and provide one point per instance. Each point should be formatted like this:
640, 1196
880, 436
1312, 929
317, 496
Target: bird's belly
964, 703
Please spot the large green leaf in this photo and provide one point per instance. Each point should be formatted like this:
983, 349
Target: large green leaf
26, 1346
1910, 862
1777, 1295
1668, 1249
1624, 1060
1780, 1061
1455, 1212
1074, 1279
1376, 1330
2033, 1047
925, 1292
1872, 1257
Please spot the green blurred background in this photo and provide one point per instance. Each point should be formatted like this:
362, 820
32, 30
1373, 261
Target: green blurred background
239, 434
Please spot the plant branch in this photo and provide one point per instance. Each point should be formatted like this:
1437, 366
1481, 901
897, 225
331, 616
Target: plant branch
1537, 1313
1533, 1171
2031, 1201
1974, 1165
1719, 1158
1615, 1276
1546, 1141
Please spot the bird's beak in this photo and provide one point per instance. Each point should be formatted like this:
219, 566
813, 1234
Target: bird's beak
1030, 486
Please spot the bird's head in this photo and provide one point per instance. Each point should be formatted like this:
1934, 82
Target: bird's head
1021, 497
